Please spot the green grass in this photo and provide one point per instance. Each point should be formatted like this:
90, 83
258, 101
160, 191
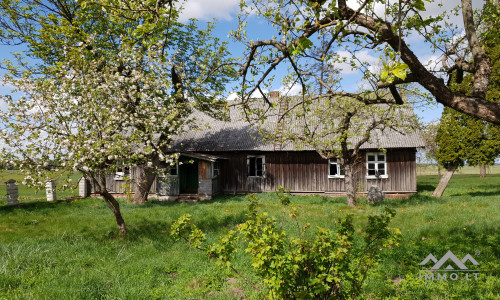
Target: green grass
71, 250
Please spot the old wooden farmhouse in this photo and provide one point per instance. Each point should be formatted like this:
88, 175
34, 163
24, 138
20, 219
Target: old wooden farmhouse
232, 157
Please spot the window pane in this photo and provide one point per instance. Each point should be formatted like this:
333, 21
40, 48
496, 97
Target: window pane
371, 157
381, 166
216, 169
333, 169
371, 172
381, 157
259, 167
251, 166
173, 171
371, 166
381, 172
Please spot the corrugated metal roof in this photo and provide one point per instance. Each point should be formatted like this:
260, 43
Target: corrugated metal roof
239, 135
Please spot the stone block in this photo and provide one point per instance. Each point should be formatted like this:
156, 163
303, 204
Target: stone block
83, 188
50, 189
375, 195
12, 192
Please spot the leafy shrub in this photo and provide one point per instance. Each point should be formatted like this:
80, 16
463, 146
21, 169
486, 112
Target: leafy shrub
325, 266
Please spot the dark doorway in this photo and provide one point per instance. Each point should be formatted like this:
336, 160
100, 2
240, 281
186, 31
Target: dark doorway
188, 178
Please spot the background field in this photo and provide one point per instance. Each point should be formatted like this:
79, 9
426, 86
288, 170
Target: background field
433, 170
71, 250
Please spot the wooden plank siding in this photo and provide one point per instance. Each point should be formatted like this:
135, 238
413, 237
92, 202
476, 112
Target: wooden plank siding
306, 171
300, 171
118, 186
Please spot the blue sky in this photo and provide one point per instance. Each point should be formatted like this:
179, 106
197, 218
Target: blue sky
226, 10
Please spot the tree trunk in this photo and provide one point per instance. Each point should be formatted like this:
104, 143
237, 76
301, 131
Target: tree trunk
443, 183
115, 208
482, 171
350, 184
145, 180
99, 181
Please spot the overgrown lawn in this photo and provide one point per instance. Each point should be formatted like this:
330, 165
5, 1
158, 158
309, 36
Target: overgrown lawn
71, 250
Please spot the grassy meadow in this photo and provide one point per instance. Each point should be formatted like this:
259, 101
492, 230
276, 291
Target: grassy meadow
71, 249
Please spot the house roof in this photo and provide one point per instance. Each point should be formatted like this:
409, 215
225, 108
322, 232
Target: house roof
201, 156
238, 135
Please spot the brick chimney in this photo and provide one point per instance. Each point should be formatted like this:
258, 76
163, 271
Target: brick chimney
274, 95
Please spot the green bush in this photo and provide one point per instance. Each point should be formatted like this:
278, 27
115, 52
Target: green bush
326, 265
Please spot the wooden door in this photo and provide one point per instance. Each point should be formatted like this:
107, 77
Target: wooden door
188, 178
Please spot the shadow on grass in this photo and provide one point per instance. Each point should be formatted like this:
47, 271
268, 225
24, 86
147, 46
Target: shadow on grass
414, 199
34, 206
425, 187
319, 199
216, 199
159, 230
490, 192
223, 198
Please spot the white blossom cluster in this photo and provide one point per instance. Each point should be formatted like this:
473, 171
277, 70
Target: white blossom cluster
110, 99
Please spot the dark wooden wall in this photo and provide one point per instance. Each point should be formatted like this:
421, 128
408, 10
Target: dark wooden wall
300, 171
306, 171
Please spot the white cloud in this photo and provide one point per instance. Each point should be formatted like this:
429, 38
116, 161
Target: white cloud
209, 9
362, 56
232, 96
258, 94
431, 8
433, 62
290, 91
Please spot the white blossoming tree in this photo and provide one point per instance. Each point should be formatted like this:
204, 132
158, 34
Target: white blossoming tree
104, 83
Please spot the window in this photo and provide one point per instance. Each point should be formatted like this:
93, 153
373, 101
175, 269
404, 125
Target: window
376, 165
122, 172
174, 170
256, 166
216, 169
335, 170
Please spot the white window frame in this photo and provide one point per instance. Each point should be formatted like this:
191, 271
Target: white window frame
176, 167
340, 170
120, 172
167, 172
215, 167
376, 162
263, 157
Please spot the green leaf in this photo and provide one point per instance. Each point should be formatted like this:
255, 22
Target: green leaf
303, 44
419, 5
383, 75
399, 72
402, 66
